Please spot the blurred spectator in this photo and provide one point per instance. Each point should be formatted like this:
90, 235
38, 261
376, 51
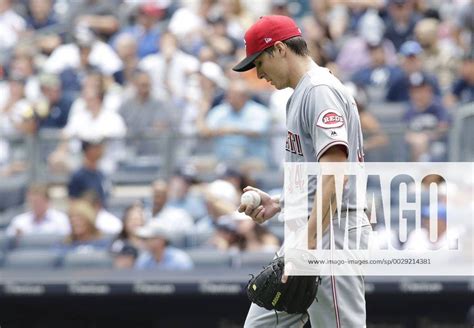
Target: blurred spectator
217, 38
206, 90
320, 46
188, 22
42, 218
159, 254
221, 199
124, 255
411, 62
126, 47
462, 90
400, 22
91, 121
279, 7
106, 222
89, 176
432, 236
355, 55
40, 14
464, 26
94, 80
374, 136
237, 16
256, 237
133, 218
237, 177
183, 195
169, 69
97, 15
84, 233
14, 108
145, 30
226, 236
86, 49
176, 220
144, 113
378, 75
52, 108
22, 63
11, 27
437, 58
237, 126
427, 120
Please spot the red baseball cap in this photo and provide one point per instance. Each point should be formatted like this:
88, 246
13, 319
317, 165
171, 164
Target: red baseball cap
263, 34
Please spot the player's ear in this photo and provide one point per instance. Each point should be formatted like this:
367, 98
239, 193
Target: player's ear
280, 47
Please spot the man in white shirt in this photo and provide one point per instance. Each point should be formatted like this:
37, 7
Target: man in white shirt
41, 219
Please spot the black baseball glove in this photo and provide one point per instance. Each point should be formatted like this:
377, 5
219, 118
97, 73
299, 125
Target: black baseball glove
294, 296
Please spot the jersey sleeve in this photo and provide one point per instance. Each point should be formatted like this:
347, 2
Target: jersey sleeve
325, 119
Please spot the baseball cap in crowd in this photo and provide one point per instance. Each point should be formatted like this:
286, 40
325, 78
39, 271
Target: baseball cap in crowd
263, 34
151, 9
187, 173
227, 223
418, 79
214, 73
120, 247
410, 48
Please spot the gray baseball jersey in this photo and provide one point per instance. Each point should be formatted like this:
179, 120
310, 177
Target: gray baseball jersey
320, 114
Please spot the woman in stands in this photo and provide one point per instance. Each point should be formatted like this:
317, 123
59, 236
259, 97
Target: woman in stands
84, 233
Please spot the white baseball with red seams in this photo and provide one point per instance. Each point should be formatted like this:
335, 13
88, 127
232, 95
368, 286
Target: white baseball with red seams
250, 198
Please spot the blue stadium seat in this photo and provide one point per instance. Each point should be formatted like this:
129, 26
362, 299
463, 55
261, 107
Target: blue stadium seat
4, 241
461, 138
254, 259
87, 260
198, 239
45, 241
31, 259
210, 258
7, 216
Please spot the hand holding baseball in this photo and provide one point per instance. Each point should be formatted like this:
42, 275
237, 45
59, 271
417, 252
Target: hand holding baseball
258, 204
251, 199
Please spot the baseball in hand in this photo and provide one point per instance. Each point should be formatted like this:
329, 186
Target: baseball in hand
250, 198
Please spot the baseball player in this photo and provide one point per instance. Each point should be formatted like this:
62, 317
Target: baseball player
323, 125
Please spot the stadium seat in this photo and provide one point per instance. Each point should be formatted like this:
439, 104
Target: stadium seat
7, 216
45, 241
461, 138
4, 241
254, 259
31, 259
12, 191
210, 258
388, 113
197, 239
87, 260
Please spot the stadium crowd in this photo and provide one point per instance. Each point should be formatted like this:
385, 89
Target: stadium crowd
111, 80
